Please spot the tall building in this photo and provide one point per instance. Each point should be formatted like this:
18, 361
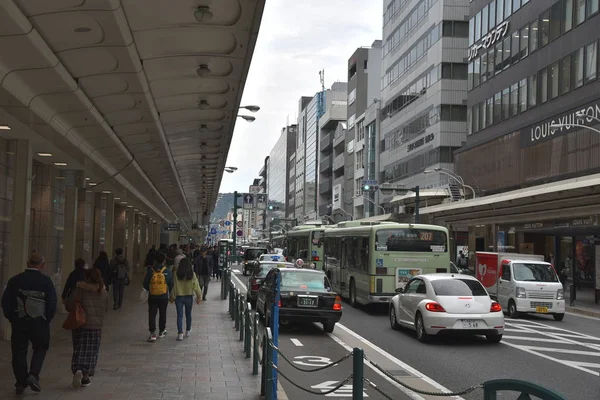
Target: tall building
333, 120
424, 90
306, 158
291, 189
279, 177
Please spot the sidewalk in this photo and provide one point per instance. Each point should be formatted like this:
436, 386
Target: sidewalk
209, 365
585, 304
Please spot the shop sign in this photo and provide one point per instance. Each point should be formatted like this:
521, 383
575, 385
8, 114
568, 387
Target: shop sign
572, 120
562, 223
489, 40
418, 143
533, 225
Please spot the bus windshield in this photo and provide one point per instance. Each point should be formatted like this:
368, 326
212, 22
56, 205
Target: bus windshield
317, 237
411, 239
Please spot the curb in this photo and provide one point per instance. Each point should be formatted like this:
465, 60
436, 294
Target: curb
281, 393
583, 311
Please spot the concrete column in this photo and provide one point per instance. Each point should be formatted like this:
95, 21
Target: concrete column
99, 223
69, 234
130, 238
143, 240
118, 229
110, 224
21, 206
85, 225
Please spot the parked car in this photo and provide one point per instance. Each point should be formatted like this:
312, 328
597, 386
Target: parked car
258, 275
306, 296
436, 304
251, 256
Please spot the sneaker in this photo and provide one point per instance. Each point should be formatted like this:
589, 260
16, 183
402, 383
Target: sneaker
19, 390
188, 333
179, 337
162, 334
34, 383
86, 382
152, 338
77, 379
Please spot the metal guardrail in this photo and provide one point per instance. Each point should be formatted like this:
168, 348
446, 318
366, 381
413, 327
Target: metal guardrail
247, 325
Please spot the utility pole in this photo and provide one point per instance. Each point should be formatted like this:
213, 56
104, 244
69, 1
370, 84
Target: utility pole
417, 204
234, 230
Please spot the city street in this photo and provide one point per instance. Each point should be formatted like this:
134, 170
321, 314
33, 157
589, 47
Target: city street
564, 356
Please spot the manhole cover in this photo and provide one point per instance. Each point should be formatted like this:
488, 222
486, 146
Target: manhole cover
398, 372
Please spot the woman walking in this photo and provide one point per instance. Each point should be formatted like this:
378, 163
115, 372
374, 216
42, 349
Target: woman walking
91, 294
103, 264
185, 286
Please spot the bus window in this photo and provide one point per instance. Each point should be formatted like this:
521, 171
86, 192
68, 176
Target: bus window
411, 239
317, 238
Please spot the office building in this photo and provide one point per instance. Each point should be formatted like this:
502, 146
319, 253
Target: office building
279, 177
424, 92
306, 158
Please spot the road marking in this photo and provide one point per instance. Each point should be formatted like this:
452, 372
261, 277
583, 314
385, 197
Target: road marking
394, 360
312, 361
531, 338
344, 391
240, 282
236, 271
297, 342
565, 351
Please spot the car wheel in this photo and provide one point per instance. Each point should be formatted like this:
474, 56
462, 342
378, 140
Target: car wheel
558, 317
328, 327
393, 320
353, 302
495, 338
422, 335
512, 310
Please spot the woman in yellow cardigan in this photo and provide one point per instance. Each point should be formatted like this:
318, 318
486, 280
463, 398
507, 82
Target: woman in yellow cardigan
185, 286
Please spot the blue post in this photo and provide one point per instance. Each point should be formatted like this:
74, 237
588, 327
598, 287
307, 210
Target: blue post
275, 329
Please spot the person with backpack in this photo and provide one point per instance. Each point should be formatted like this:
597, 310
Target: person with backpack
185, 286
159, 283
29, 304
203, 266
119, 273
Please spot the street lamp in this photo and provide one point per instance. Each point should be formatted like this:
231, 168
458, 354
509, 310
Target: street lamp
251, 108
248, 118
452, 175
375, 204
555, 126
230, 169
342, 210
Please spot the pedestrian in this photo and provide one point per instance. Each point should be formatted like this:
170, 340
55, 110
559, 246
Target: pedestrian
179, 255
29, 304
92, 296
185, 287
77, 275
215, 258
172, 252
151, 256
119, 273
103, 264
158, 282
203, 267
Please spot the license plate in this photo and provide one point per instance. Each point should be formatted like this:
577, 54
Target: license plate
470, 324
541, 310
307, 301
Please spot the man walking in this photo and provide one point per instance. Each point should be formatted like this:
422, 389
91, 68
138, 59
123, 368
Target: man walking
29, 303
119, 267
159, 283
203, 266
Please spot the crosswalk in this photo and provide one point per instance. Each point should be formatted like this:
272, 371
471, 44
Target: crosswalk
572, 349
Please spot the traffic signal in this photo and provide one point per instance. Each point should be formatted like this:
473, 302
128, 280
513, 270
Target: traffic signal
270, 207
370, 188
366, 188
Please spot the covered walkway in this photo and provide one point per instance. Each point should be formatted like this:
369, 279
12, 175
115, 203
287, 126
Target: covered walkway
208, 365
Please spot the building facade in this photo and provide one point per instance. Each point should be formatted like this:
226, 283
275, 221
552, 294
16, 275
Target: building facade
306, 158
424, 90
279, 177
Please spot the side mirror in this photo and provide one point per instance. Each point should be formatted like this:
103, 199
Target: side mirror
400, 290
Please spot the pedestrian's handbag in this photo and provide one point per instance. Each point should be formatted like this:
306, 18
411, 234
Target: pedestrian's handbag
76, 318
144, 296
127, 280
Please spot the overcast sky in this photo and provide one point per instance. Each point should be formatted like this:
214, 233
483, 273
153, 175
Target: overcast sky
296, 40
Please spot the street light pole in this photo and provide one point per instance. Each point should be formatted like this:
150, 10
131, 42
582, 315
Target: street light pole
234, 230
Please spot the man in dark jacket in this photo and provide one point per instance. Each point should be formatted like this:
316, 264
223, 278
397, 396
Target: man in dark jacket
158, 302
77, 275
203, 266
119, 272
29, 303
151, 256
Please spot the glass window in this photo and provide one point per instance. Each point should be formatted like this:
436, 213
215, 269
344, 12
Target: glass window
483, 76
544, 27
485, 21
458, 287
591, 66
476, 72
506, 58
497, 107
543, 82
499, 11
492, 14
533, 37
515, 49
565, 75
471, 31
471, 77
411, 239
483, 114
524, 42
516, 5
490, 111
505, 103
470, 130
507, 8
592, 7
523, 95
491, 63
555, 21
553, 80
476, 118
478, 26
524, 2
499, 57
568, 13
532, 91
577, 68
514, 99
579, 11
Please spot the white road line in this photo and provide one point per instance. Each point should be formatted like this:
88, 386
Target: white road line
566, 331
237, 270
565, 351
505, 337
297, 342
393, 359
240, 282
578, 336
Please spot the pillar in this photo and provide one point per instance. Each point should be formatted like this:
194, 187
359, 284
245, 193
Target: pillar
110, 224
69, 234
130, 238
21, 206
99, 229
143, 240
85, 208
118, 229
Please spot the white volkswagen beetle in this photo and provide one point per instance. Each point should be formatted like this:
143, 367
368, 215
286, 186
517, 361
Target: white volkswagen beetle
435, 304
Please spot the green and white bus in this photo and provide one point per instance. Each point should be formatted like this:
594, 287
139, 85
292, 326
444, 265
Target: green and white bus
368, 261
306, 242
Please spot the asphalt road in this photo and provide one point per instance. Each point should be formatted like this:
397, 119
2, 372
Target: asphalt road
563, 356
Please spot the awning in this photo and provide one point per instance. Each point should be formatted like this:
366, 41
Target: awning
440, 193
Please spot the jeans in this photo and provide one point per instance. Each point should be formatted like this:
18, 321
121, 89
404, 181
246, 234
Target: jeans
204, 280
180, 303
157, 304
118, 291
36, 331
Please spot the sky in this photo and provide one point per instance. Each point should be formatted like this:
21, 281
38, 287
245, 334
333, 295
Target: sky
296, 40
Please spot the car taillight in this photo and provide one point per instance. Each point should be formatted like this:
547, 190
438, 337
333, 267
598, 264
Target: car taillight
279, 303
496, 307
254, 284
337, 305
434, 307
316, 258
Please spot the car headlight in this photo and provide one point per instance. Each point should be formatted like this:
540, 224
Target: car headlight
560, 294
521, 292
